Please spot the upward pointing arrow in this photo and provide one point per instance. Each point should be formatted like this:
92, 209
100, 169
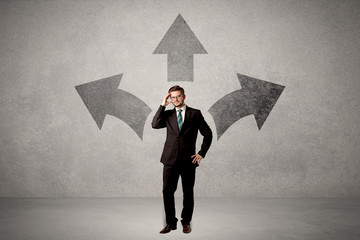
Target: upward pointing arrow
103, 97
256, 97
180, 43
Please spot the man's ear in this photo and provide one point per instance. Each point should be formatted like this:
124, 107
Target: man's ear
184, 96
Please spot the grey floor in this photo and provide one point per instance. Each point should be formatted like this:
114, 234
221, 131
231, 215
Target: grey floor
214, 218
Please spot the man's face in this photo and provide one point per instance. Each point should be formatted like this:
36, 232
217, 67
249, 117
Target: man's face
177, 98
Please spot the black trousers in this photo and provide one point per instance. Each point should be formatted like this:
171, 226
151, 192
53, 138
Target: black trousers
170, 180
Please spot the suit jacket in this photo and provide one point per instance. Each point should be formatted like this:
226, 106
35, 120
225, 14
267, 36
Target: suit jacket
182, 143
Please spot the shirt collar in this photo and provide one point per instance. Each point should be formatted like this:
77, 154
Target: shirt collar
183, 108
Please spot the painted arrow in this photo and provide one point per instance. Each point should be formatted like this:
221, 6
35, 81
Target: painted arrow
103, 97
256, 97
180, 44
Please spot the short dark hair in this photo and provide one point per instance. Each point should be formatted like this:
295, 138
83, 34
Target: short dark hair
177, 88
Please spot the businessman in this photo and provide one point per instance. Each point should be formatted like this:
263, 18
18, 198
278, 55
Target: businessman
179, 156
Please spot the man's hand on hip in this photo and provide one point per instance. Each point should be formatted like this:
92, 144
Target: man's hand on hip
197, 158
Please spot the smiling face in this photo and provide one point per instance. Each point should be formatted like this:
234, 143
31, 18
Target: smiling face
177, 98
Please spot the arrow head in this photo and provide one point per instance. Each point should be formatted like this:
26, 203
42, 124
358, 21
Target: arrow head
263, 94
180, 40
97, 96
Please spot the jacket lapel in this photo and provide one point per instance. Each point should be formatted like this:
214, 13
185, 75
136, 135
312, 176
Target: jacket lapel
173, 120
187, 117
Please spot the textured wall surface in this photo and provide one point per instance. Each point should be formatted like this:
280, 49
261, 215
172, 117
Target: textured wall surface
50, 146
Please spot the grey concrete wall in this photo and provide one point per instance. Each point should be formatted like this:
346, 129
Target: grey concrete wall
50, 146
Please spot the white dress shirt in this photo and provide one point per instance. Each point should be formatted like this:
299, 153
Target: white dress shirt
182, 112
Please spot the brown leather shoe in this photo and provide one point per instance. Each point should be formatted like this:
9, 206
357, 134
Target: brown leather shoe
186, 228
167, 229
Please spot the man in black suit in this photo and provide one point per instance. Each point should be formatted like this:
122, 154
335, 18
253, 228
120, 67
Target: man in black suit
179, 156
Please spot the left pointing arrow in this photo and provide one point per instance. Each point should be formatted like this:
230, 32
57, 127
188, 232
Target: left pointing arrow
103, 97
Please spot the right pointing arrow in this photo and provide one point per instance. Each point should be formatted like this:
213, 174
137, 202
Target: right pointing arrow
256, 97
180, 43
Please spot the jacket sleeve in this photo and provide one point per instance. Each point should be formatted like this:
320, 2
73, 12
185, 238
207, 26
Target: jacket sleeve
159, 120
205, 130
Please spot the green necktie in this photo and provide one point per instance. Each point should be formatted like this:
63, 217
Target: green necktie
179, 119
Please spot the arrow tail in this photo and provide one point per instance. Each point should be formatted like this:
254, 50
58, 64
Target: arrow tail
180, 68
130, 109
229, 109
